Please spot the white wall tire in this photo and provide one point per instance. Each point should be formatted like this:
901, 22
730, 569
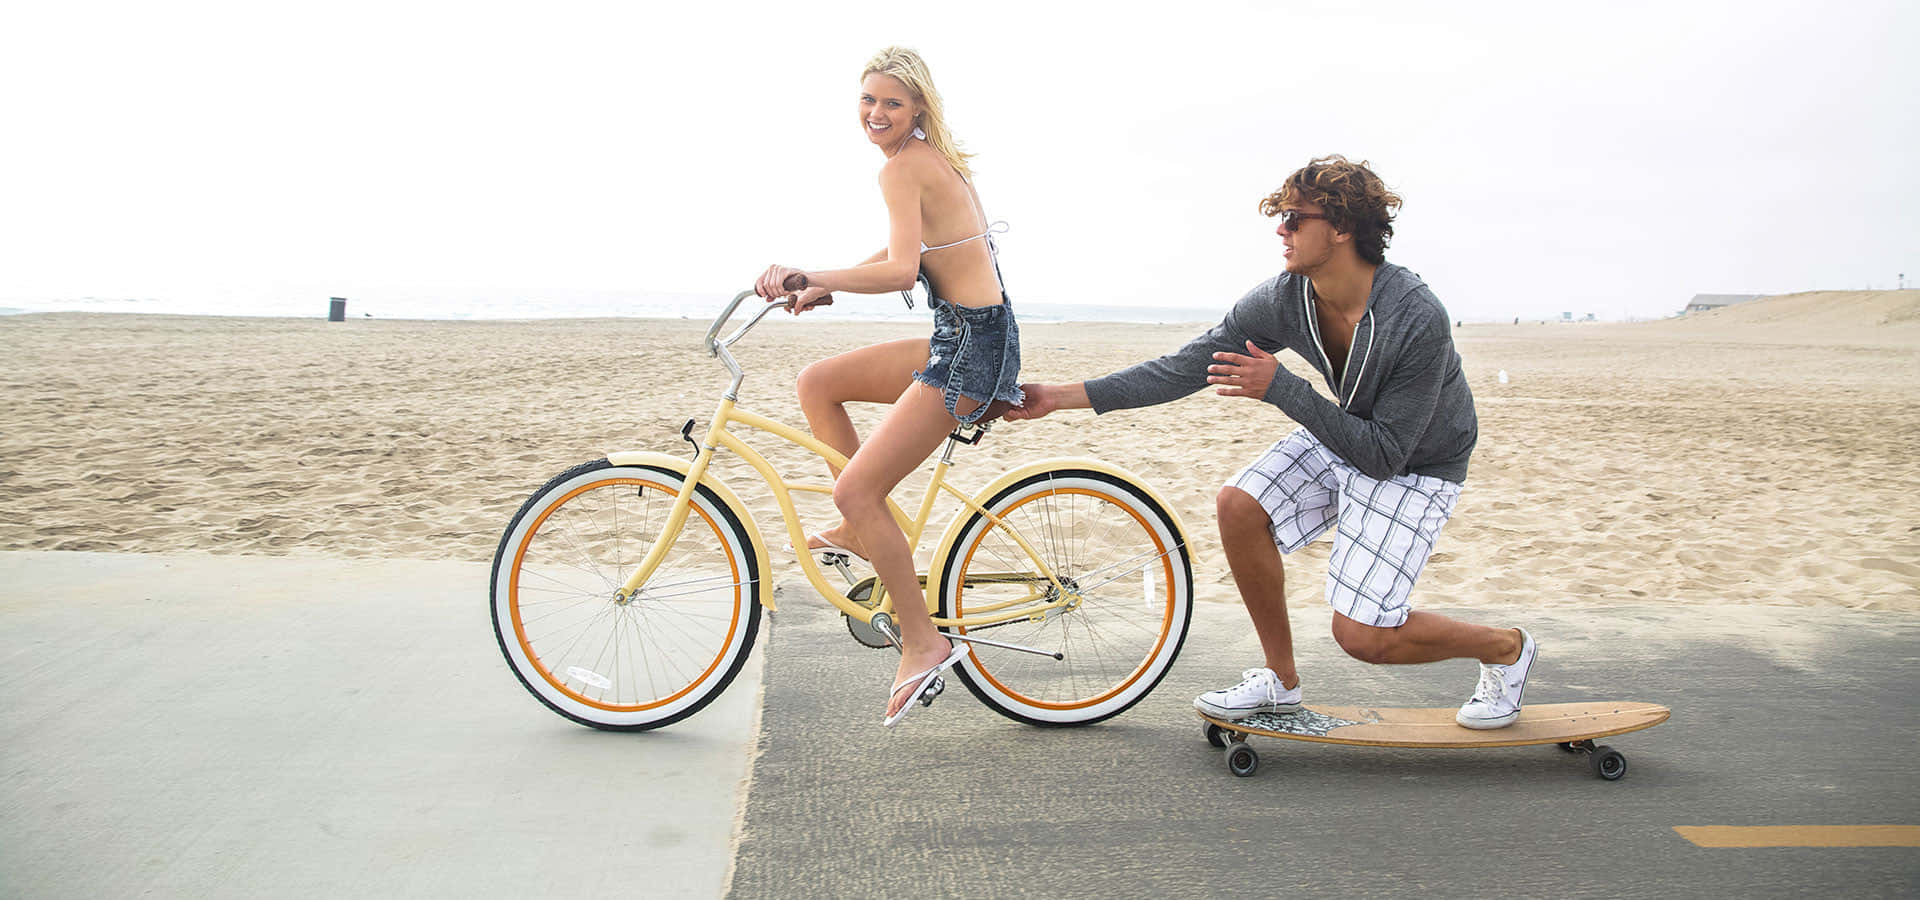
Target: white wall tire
1122, 553
624, 666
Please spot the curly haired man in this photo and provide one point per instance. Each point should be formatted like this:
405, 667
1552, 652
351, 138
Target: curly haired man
1383, 460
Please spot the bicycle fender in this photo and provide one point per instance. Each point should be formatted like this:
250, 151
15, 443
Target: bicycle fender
679, 467
937, 570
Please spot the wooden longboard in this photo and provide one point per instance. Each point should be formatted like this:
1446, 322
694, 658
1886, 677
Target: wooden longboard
1574, 726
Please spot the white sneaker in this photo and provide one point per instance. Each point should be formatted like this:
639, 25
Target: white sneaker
1259, 691
1496, 702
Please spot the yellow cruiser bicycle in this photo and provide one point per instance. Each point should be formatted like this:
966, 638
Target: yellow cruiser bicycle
626, 593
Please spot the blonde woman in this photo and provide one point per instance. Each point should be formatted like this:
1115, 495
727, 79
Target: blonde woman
938, 234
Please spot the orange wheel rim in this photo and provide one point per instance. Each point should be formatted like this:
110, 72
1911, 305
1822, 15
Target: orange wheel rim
1166, 618
546, 674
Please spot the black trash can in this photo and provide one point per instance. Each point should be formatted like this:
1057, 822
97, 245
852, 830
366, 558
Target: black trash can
337, 309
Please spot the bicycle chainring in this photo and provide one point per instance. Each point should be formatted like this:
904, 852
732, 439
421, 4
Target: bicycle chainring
866, 634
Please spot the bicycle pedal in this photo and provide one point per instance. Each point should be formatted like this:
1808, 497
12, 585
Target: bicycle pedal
838, 562
933, 689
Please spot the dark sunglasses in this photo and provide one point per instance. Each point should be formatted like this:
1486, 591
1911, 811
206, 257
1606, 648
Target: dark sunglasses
1290, 219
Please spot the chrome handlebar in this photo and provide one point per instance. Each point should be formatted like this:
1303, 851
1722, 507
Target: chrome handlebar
718, 348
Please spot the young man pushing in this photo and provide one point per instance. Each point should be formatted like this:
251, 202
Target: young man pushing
1384, 460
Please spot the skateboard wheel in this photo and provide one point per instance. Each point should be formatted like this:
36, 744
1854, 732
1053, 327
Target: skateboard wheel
1216, 737
1608, 763
1241, 760
1570, 747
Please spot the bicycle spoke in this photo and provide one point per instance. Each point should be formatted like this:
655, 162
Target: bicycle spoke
569, 568
1098, 543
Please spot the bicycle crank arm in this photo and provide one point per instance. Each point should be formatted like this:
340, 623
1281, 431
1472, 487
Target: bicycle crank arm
1005, 646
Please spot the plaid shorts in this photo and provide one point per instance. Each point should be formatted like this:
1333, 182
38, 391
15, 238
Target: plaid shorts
1387, 528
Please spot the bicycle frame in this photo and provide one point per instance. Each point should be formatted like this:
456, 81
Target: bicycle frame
719, 436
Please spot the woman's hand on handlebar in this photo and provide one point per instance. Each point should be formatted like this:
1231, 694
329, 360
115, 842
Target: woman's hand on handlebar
809, 298
780, 282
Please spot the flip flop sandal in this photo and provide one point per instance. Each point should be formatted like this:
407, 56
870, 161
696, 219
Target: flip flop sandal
830, 547
926, 685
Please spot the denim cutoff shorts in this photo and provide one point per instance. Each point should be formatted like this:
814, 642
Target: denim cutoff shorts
974, 352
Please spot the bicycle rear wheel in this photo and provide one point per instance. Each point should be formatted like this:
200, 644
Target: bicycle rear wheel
1125, 566
627, 666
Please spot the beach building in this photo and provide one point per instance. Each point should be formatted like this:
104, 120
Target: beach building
1704, 302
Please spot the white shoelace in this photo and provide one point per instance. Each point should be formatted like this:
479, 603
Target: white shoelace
1270, 683
1492, 686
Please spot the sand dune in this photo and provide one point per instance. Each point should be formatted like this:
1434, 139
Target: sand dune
1756, 455
1817, 317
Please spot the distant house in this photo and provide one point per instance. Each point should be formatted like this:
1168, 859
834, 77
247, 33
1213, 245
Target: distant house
1704, 302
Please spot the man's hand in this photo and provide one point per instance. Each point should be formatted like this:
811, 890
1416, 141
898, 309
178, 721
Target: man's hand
1036, 404
1243, 376
1045, 398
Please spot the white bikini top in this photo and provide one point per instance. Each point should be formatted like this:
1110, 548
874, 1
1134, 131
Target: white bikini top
995, 228
992, 229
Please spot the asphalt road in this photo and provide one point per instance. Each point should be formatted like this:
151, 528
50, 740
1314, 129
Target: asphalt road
1781, 717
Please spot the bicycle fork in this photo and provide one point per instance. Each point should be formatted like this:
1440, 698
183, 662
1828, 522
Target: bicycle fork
677, 514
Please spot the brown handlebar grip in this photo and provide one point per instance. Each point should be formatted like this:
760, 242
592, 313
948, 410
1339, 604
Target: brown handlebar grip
795, 282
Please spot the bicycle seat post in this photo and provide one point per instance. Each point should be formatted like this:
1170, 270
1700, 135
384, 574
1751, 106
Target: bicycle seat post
964, 434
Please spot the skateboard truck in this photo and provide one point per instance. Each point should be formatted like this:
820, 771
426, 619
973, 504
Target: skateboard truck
1608, 763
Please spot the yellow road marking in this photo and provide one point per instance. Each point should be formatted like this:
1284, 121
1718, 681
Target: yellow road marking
1801, 835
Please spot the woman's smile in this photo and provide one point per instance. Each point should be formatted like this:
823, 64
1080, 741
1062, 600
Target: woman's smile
886, 107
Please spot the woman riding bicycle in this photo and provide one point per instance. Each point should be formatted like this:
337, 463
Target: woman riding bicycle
938, 234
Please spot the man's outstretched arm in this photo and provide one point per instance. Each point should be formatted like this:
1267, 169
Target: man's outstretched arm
1155, 381
1045, 398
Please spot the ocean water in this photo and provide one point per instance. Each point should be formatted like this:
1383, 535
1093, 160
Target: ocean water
505, 305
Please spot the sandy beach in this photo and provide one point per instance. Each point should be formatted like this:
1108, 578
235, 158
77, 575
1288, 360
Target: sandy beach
1756, 455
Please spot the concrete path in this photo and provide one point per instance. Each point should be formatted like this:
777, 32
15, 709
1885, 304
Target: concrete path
218, 726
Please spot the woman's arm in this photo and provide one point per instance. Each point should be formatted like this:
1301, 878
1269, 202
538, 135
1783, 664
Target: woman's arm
895, 270
892, 269
812, 294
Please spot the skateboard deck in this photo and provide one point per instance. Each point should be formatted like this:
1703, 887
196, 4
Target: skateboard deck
1574, 726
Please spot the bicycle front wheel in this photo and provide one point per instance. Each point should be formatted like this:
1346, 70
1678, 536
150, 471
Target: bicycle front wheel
633, 664
1129, 596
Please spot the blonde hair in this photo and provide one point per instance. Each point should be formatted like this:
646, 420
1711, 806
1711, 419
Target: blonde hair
907, 66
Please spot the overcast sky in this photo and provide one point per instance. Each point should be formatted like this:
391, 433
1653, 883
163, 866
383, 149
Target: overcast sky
1613, 159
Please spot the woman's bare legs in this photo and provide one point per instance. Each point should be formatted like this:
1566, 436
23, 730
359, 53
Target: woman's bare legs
903, 440
874, 374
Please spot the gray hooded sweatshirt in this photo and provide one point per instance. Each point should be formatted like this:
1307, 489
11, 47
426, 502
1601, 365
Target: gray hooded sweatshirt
1404, 406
